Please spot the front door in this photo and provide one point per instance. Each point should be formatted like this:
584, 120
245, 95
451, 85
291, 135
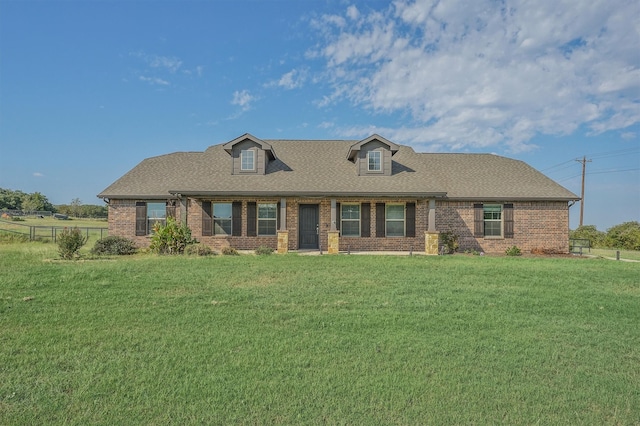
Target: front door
308, 226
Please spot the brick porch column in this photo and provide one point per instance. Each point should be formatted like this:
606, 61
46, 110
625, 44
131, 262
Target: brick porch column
334, 242
431, 243
283, 241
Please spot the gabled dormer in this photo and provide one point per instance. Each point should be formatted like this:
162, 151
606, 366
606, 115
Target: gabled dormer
249, 155
372, 156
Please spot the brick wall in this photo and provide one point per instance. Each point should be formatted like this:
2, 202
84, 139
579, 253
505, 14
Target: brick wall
122, 220
537, 225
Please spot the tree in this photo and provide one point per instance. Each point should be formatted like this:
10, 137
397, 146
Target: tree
624, 236
36, 202
76, 205
589, 232
11, 200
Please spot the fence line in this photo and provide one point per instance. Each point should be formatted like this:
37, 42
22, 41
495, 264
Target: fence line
41, 232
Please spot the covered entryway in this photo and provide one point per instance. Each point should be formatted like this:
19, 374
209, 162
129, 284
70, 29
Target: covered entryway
309, 226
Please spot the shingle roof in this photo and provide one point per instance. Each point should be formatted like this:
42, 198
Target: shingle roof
322, 168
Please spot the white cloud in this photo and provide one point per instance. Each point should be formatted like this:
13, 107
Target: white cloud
169, 63
484, 73
38, 174
154, 80
294, 79
243, 99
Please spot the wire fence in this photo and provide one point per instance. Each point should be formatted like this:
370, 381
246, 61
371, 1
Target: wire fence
48, 233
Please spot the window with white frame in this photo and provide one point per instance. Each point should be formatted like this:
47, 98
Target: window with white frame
156, 214
221, 218
374, 159
267, 218
395, 220
492, 220
247, 159
350, 220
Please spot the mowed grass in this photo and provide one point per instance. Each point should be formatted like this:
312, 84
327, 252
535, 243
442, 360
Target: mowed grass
317, 340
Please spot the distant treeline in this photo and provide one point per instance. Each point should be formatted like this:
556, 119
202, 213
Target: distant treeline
18, 200
624, 236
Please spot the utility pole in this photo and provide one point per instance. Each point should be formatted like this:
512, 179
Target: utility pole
584, 162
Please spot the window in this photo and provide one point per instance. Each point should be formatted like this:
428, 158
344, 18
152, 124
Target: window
247, 159
492, 220
156, 213
267, 219
150, 214
395, 220
221, 218
350, 220
375, 161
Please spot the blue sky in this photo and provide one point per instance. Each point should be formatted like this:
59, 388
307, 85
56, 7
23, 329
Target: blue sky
88, 89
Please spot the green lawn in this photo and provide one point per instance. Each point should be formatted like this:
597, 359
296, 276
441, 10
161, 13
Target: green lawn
624, 254
317, 340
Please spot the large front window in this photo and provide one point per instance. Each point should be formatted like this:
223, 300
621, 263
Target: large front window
395, 220
247, 159
267, 219
221, 218
375, 161
492, 220
350, 220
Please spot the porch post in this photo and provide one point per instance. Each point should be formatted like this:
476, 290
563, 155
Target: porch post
432, 215
431, 236
283, 233
334, 234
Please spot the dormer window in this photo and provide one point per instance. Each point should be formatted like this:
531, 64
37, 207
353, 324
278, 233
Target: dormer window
247, 160
375, 161
249, 155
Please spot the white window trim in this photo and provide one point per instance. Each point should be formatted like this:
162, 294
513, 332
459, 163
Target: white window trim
350, 220
213, 219
258, 219
403, 220
501, 220
379, 154
253, 160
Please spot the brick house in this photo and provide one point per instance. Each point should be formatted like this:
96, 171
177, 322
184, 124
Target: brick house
341, 195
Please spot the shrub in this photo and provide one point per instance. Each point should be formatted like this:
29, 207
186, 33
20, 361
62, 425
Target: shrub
171, 238
230, 251
513, 251
624, 236
199, 250
69, 242
114, 245
588, 232
264, 250
449, 241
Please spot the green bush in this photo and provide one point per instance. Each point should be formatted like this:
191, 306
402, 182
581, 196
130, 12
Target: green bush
450, 242
171, 238
625, 236
230, 251
69, 242
513, 251
199, 250
114, 245
264, 250
588, 232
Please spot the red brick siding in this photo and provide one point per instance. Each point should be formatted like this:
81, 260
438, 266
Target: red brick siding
122, 220
537, 225
543, 225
